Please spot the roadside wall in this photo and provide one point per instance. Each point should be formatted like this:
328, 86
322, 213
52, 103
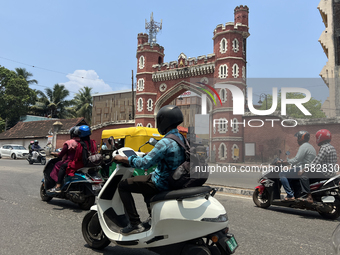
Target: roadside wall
273, 139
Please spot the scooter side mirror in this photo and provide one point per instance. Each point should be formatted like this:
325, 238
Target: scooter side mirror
110, 140
152, 141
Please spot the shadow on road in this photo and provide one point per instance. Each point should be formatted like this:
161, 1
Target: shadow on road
120, 250
299, 212
65, 205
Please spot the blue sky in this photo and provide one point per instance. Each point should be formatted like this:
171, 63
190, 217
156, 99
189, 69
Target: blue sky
66, 40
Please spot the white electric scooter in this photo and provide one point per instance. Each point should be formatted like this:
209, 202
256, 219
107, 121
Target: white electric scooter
187, 221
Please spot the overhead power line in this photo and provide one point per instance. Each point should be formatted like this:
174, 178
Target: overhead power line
45, 69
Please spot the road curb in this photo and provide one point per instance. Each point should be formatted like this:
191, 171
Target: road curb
233, 190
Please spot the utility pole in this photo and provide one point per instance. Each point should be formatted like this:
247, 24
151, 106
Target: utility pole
133, 98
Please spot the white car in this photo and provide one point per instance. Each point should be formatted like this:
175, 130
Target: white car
14, 151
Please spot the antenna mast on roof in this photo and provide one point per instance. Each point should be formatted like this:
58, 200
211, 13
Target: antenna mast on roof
153, 27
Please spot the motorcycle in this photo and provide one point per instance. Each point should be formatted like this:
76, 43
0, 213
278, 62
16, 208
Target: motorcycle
40, 158
325, 193
82, 188
186, 221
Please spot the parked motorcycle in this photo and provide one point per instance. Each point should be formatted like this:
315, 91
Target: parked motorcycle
81, 188
325, 194
186, 221
41, 157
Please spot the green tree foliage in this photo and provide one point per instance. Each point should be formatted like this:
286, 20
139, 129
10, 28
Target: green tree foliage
2, 125
15, 96
83, 104
25, 74
313, 106
54, 101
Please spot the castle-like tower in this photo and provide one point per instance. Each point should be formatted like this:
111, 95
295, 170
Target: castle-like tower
330, 42
159, 83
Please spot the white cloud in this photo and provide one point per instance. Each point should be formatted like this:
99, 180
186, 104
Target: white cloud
82, 78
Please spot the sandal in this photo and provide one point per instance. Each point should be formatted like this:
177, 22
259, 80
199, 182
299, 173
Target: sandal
306, 200
288, 199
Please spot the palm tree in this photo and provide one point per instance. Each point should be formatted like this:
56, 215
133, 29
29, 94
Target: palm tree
55, 101
83, 103
25, 74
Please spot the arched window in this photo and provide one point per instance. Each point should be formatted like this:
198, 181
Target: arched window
149, 104
139, 125
223, 125
140, 86
235, 152
141, 62
222, 152
235, 126
149, 125
235, 71
223, 95
223, 71
223, 45
140, 104
236, 45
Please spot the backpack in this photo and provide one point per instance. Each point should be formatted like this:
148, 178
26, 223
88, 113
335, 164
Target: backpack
89, 159
192, 172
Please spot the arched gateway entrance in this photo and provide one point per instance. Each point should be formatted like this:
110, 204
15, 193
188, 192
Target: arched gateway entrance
159, 83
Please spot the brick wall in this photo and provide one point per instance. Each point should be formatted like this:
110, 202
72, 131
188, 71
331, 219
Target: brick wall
276, 138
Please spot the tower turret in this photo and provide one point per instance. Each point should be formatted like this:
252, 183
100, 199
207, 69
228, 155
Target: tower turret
241, 15
142, 38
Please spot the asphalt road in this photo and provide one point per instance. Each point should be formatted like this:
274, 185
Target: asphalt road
30, 226
238, 176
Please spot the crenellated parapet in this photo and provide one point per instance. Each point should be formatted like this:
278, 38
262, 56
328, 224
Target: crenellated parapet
184, 72
184, 62
152, 47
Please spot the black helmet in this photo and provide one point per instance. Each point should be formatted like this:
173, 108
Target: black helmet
302, 137
73, 132
168, 116
36, 142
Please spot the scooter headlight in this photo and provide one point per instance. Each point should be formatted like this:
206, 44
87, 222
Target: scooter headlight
220, 218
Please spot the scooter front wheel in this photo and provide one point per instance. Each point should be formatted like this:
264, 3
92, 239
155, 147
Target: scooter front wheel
89, 201
262, 200
333, 215
191, 249
43, 161
93, 235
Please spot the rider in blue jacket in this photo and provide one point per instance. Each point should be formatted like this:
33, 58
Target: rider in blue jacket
167, 155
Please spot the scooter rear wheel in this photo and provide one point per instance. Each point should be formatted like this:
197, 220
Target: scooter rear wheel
43, 195
264, 200
94, 240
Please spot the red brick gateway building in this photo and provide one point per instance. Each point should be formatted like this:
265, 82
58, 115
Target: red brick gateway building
160, 83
